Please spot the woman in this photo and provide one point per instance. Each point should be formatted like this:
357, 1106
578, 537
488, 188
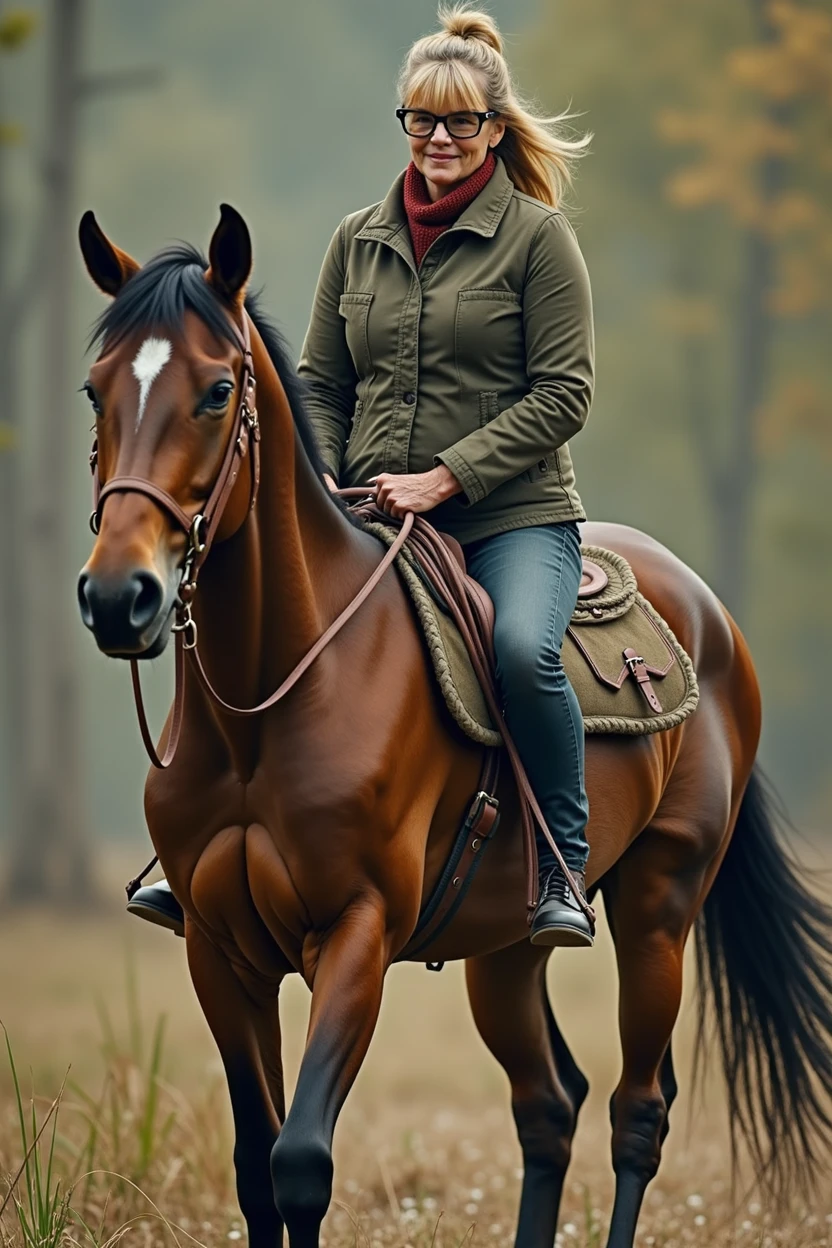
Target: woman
448, 361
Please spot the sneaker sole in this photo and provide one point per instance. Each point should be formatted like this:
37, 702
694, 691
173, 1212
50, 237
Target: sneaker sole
562, 938
155, 914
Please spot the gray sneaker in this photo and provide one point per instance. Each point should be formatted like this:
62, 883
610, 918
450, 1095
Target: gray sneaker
157, 904
558, 919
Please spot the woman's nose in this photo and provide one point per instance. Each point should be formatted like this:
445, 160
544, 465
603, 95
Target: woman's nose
440, 134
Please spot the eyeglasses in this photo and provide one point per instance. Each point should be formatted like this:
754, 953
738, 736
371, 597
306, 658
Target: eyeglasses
420, 124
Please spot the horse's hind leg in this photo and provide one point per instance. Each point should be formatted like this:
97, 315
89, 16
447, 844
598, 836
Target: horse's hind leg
652, 897
511, 1009
247, 1033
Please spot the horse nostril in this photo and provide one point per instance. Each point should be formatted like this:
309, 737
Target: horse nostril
120, 610
148, 599
83, 600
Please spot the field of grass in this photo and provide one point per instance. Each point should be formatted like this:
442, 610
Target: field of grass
425, 1150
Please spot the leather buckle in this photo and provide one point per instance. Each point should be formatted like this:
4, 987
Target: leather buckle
478, 806
638, 669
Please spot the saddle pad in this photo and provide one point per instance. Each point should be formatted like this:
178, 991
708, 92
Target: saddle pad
610, 698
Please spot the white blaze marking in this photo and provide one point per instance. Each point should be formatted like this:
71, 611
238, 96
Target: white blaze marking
152, 357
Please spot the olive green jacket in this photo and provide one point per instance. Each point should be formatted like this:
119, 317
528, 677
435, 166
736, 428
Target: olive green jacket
482, 359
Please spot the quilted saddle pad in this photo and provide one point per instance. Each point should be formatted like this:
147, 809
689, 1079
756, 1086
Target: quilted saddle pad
611, 617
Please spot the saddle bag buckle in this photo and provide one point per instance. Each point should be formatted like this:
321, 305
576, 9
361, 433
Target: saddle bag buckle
638, 669
634, 662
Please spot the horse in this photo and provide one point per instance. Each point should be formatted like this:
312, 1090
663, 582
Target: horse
305, 839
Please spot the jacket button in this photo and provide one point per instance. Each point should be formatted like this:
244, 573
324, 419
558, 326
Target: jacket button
409, 398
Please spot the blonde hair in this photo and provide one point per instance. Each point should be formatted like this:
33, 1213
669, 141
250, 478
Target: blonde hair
462, 66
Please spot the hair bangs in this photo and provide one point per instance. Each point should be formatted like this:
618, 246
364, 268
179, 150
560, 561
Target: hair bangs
445, 87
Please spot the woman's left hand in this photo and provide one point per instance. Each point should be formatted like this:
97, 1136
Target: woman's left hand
398, 493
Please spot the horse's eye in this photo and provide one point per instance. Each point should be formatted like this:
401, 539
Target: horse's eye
91, 395
218, 396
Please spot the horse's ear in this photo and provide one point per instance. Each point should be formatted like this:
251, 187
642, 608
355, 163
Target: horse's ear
108, 266
230, 256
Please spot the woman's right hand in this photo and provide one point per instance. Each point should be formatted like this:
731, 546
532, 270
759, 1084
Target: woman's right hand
332, 486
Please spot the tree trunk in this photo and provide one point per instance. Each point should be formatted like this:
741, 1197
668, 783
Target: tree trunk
733, 490
50, 856
12, 594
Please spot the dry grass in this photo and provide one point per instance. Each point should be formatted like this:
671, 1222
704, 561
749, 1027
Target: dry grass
425, 1151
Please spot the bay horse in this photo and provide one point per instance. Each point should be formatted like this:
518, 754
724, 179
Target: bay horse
305, 840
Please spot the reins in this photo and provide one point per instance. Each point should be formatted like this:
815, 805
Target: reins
200, 531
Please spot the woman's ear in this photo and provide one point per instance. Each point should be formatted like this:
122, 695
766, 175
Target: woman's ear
497, 133
108, 266
230, 256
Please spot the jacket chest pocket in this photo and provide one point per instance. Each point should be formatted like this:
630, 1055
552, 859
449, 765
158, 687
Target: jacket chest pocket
354, 307
488, 340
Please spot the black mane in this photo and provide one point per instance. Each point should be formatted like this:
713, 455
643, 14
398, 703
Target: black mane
173, 282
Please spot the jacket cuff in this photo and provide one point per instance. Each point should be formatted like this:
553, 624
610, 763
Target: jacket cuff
473, 489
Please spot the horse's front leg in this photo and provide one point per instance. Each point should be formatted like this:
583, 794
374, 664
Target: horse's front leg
346, 996
246, 1028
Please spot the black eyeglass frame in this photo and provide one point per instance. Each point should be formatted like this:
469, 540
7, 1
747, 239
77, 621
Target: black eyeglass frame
482, 118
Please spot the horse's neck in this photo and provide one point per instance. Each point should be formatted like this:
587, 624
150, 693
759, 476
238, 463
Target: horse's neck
267, 594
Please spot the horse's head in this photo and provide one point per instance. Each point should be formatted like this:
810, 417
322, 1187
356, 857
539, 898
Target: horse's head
166, 394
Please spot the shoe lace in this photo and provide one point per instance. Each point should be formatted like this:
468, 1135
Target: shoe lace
554, 884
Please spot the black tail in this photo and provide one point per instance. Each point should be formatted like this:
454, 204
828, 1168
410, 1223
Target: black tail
764, 953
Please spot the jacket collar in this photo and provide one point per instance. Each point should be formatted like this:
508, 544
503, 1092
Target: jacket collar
482, 216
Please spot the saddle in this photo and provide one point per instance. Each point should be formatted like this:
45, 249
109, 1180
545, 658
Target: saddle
630, 673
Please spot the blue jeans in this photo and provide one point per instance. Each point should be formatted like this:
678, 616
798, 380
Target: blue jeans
533, 575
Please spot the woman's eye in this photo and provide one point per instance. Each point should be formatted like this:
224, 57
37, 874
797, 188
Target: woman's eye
218, 395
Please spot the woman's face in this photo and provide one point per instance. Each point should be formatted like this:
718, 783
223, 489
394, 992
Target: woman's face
445, 161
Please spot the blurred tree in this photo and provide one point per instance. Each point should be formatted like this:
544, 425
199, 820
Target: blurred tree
49, 853
18, 291
762, 133
748, 89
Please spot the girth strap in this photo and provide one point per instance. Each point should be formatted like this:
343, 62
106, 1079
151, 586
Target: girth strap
452, 887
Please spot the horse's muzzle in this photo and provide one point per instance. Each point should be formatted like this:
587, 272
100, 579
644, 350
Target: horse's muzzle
127, 616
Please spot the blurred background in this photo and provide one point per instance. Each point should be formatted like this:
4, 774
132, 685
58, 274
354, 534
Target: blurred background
705, 215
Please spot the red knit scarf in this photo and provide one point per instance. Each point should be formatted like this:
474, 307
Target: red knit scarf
427, 220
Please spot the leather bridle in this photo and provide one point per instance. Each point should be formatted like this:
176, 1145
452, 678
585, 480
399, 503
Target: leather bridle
200, 531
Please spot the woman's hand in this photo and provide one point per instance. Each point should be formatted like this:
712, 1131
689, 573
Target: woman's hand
331, 485
398, 493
